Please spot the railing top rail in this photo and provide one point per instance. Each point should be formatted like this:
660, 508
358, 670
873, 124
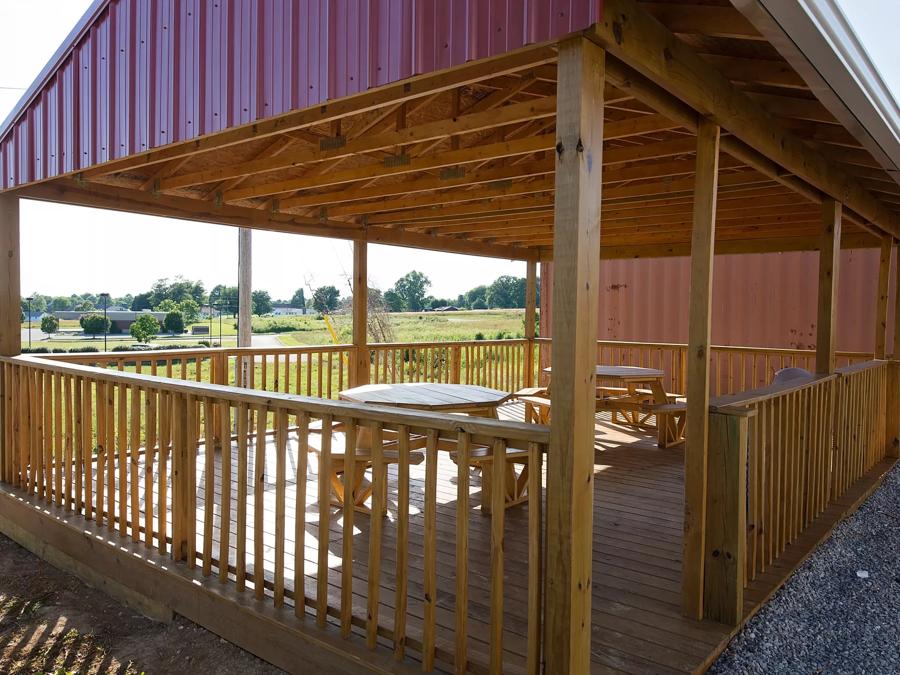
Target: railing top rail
859, 367
732, 403
477, 427
443, 343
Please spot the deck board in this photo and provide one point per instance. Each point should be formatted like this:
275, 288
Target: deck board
637, 547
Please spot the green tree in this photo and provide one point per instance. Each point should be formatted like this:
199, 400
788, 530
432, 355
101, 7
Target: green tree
60, 304
190, 310
225, 299
262, 302
145, 328
479, 304
412, 288
325, 299
174, 322
506, 292
94, 324
479, 293
393, 301
49, 323
167, 305
299, 299
85, 305
141, 302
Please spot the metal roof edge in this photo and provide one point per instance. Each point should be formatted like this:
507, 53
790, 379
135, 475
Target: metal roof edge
83, 25
815, 37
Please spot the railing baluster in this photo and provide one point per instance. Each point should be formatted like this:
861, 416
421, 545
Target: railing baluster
498, 511
281, 434
243, 432
462, 552
225, 511
300, 516
349, 497
324, 535
259, 499
402, 567
429, 598
379, 480
209, 486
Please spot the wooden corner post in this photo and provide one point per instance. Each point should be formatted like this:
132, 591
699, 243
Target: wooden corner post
881, 300
829, 264
576, 257
892, 416
696, 450
360, 370
726, 536
10, 312
530, 313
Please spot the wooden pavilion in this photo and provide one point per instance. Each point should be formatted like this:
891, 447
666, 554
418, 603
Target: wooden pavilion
563, 132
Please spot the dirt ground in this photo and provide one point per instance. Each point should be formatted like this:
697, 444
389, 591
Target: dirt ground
51, 622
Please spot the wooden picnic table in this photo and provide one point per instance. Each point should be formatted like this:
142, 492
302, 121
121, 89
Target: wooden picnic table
470, 399
438, 397
636, 405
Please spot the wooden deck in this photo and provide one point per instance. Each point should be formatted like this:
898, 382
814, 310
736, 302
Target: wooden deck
637, 546
637, 622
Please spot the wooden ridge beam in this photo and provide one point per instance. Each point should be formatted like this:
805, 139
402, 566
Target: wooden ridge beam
389, 94
438, 129
635, 37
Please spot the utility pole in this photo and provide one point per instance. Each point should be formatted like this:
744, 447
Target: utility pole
245, 301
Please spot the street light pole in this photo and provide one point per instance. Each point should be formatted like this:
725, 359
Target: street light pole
30, 298
105, 297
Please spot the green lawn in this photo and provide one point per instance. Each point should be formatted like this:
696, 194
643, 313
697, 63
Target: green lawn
311, 330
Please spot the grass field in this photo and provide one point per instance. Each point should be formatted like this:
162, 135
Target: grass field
311, 330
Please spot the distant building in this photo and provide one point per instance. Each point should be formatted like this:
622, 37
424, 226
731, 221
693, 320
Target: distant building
284, 310
120, 320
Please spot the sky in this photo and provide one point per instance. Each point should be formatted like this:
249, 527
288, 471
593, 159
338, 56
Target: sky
68, 249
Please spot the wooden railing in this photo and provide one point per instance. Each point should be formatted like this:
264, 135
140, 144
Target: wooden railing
323, 370
319, 371
778, 457
499, 364
732, 369
216, 476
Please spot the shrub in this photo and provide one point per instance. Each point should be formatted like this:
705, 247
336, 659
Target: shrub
94, 324
174, 322
145, 328
49, 323
122, 348
82, 350
479, 304
479, 335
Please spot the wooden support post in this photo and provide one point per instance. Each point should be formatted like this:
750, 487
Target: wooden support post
829, 264
576, 256
881, 300
726, 536
697, 413
530, 313
360, 374
10, 293
10, 326
892, 411
245, 303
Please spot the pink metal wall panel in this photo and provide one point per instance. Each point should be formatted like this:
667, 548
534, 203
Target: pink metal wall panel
139, 74
765, 300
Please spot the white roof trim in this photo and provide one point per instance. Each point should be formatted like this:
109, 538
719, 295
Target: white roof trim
815, 37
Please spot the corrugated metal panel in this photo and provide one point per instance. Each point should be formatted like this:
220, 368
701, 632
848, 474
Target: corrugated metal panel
764, 300
140, 74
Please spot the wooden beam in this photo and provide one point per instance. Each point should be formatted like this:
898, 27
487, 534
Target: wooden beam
635, 37
182, 208
696, 451
390, 94
530, 316
701, 19
570, 470
438, 129
10, 263
881, 300
829, 264
397, 166
360, 374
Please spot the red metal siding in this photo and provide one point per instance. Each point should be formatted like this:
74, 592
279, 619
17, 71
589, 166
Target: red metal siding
765, 300
145, 73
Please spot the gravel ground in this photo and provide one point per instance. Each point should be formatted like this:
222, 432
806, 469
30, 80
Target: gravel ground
51, 622
828, 618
